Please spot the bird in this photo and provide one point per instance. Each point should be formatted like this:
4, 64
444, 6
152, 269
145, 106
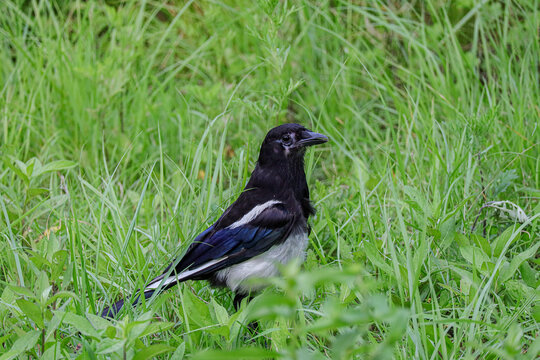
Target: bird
266, 226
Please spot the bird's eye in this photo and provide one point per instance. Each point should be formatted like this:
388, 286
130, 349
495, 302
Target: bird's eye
286, 139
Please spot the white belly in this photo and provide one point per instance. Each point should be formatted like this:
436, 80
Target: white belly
265, 264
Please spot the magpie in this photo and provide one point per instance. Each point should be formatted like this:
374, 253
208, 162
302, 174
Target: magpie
266, 226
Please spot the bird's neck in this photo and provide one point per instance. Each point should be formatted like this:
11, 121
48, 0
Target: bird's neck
283, 178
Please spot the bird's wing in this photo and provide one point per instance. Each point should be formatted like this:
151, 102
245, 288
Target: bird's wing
216, 249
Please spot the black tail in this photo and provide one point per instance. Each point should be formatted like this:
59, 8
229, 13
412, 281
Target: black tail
151, 287
111, 311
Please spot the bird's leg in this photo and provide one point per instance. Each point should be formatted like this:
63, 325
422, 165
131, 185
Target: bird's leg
237, 301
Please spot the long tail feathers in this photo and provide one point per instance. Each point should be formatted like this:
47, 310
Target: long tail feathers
112, 311
160, 283
156, 284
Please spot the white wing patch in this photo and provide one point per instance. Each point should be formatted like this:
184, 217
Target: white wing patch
253, 213
183, 274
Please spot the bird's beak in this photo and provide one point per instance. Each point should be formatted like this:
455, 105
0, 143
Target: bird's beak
310, 138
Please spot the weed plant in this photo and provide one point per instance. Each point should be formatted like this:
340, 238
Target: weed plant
127, 127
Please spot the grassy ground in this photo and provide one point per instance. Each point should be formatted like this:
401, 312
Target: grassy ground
127, 127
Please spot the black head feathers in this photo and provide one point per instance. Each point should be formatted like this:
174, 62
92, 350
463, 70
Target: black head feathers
287, 141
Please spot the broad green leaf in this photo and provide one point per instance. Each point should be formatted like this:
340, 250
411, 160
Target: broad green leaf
43, 288
536, 314
336, 315
107, 346
22, 166
418, 200
534, 349
38, 260
513, 341
31, 310
56, 166
156, 327
466, 280
58, 260
53, 324
474, 255
30, 167
461, 239
307, 280
17, 170
508, 272
81, 324
24, 343
306, 353
221, 314
236, 323
529, 275
197, 311
179, 352
448, 233
33, 167
465, 286
89, 349
344, 342
136, 328
481, 242
420, 255
19, 290
499, 243
11, 354
110, 332
98, 322
221, 330
269, 305
152, 351
36, 191
377, 259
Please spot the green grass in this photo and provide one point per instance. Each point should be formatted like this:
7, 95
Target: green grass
127, 127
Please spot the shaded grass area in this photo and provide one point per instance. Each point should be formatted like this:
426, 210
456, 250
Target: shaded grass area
126, 128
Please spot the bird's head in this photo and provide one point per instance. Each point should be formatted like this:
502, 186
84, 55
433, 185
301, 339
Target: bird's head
288, 141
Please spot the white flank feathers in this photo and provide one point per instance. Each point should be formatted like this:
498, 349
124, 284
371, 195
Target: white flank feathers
264, 265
